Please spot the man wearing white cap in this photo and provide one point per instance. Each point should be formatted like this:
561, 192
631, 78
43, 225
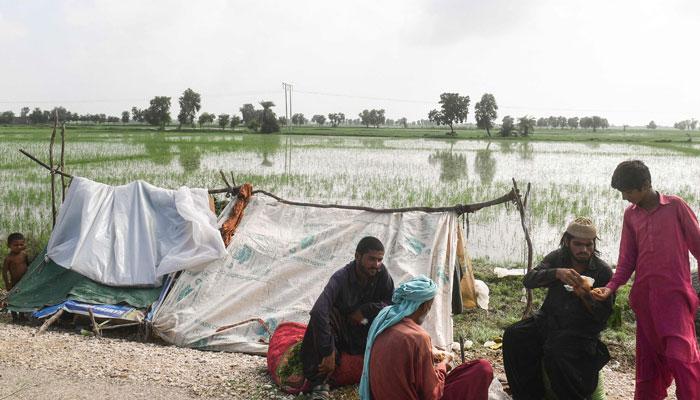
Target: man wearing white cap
563, 336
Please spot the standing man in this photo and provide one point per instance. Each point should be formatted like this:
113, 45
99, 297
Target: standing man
399, 357
343, 313
657, 233
563, 337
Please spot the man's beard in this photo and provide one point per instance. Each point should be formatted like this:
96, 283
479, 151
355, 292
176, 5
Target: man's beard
581, 258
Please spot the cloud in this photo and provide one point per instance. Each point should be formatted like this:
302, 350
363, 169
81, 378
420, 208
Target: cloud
446, 22
10, 30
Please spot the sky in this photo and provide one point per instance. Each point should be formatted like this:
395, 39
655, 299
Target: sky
630, 61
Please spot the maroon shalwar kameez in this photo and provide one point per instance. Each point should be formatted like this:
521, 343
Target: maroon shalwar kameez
654, 245
401, 365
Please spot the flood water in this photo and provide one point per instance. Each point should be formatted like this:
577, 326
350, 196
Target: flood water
568, 179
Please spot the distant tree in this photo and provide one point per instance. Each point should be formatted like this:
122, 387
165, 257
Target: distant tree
563, 122
298, 119
158, 114
37, 116
604, 123
336, 119
586, 122
235, 121
248, 112
253, 125
6, 117
507, 127
125, 117
596, 122
268, 119
190, 103
486, 112
62, 114
572, 122
365, 118
682, 125
651, 125
205, 119
454, 110
403, 122
113, 119
553, 122
693, 124
138, 115
282, 120
223, 120
526, 126
542, 122
376, 117
319, 119
25, 112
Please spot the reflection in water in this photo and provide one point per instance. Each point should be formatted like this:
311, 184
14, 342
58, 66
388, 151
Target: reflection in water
266, 146
190, 158
506, 147
526, 151
159, 151
452, 165
485, 165
592, 145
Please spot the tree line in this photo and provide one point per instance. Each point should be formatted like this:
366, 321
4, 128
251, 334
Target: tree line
454, 110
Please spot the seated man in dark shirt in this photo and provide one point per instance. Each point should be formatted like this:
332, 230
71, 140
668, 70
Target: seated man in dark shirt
564, 335
343, 313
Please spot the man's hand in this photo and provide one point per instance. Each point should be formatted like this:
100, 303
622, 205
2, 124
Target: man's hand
580, 291
355, 318
601, 293
327, 365
569, 276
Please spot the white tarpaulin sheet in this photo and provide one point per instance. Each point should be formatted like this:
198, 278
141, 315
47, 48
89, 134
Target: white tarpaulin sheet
132, 235
281, 258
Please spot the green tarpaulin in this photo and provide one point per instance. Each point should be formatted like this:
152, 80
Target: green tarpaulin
47, 284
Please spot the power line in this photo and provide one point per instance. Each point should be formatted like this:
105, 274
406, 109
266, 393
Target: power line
365, 97
249, 93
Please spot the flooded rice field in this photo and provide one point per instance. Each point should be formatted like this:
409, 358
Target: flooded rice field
568, 179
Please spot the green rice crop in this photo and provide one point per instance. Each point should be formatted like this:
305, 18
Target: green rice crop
569, 178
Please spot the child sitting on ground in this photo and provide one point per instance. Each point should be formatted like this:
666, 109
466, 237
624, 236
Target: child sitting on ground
16, 264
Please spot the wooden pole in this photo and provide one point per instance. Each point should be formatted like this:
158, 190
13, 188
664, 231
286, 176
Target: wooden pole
523, 217
50, 321
36, 160
53, 176
228, 186
95, 327
63, 161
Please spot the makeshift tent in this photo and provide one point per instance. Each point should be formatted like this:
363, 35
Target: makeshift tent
280, 259
111, 245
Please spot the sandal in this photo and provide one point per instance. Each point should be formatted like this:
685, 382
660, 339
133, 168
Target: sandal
321, 392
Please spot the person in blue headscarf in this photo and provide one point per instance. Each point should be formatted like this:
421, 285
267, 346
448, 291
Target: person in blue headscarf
399, 362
